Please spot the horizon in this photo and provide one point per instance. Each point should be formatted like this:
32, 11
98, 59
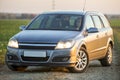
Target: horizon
39, 6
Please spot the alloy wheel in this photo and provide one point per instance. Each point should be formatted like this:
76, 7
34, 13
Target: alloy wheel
81, 60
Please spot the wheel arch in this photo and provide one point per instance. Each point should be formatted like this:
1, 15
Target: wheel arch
82, 44
110, 41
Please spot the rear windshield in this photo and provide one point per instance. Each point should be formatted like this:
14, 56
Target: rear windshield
56, 22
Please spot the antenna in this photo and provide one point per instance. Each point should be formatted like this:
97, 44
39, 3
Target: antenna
84, 5
53, 4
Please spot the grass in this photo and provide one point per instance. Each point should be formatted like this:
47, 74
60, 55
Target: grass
7, 29
115, 22
10, 27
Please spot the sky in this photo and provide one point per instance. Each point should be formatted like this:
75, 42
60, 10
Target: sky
38, 6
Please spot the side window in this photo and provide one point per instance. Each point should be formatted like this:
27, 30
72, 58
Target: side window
36, 23
105, 21
89, 22
97, 22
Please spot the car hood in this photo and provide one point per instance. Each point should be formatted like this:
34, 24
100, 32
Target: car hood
45, 36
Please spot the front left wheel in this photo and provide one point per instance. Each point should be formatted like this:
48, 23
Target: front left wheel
107, 60
81, 62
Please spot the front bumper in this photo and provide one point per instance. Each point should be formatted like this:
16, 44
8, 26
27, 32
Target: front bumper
65, 58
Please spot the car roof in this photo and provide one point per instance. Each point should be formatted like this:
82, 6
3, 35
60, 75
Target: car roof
77, 12
65, 12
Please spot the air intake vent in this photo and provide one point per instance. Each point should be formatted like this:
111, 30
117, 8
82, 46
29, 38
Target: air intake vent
38, 59
38, 46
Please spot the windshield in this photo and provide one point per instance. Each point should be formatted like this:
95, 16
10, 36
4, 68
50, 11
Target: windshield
56, 22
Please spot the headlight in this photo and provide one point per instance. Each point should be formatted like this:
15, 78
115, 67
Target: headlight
13, 43
64, 44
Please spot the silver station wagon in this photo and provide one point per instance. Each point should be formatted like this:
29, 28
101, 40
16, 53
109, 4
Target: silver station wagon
62, 38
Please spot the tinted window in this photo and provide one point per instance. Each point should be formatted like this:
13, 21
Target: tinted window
97, 22
89, 22
105, 21
56, 22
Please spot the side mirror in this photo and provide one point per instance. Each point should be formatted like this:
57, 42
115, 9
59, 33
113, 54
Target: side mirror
92, 30
22, 27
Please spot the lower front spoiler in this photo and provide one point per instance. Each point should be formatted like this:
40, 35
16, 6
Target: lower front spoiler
41, 64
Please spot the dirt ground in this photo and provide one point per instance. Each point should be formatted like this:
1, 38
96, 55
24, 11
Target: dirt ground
94, 72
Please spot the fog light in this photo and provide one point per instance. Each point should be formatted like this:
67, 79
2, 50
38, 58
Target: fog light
60, 59
65, 59
10, 57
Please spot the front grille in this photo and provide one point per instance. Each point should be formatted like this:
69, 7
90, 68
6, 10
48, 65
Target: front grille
38, 59
38, 46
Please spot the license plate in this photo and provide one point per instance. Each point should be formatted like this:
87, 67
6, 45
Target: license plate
31, 53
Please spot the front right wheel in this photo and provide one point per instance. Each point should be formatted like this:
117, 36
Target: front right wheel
81, 62
14, 67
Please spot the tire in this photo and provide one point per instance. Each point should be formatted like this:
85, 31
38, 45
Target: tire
107, 60
81, 63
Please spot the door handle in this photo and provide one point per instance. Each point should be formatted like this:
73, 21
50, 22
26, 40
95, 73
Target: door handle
97, 36
106, 34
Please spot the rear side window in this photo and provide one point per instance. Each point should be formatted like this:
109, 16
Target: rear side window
89, 22
97, 21
105, 21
